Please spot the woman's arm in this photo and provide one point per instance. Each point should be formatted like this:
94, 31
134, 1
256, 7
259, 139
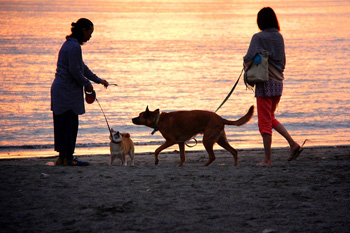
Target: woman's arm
253, 49
74, 65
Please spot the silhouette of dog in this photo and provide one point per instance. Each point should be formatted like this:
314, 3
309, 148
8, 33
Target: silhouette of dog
121, 145
180, 126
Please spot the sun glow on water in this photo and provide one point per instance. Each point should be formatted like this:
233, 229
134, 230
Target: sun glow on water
174, 56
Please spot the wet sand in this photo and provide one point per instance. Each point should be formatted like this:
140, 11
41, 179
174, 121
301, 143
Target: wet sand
311, 194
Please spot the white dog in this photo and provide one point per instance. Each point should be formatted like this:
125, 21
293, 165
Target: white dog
121, 145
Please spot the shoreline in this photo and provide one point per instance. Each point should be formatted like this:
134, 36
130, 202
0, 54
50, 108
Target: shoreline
139, 149
279, 154
310, 194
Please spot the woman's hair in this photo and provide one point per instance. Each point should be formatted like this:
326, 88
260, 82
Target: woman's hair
267, 19
77, 29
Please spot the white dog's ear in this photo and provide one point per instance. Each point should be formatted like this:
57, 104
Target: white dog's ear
118, 134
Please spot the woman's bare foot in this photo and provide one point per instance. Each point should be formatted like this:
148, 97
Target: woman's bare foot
263, 163
295, 150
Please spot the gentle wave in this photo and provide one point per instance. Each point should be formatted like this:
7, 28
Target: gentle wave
186, 62
191, 142
80, 145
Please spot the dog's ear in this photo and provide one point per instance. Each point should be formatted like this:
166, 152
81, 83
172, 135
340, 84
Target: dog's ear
157, 111
147, 112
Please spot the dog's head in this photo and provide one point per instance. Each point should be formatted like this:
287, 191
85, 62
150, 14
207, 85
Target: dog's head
146, 118
115, 136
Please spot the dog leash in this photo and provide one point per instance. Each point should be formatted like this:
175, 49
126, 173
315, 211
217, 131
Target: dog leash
109, 128
195, 143
229, 94
227, 97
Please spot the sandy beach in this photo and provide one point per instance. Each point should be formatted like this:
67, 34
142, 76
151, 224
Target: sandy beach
311, 194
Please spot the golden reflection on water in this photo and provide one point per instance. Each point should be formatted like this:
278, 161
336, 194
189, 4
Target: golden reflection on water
175, 56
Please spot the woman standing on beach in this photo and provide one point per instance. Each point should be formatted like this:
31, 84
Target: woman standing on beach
67, 97
268, 94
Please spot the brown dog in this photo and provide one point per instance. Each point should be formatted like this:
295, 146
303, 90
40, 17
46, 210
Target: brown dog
121, 145
180, 126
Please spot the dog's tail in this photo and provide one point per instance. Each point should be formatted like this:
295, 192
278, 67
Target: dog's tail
244, 119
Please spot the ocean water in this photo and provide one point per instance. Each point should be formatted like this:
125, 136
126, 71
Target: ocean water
172, 55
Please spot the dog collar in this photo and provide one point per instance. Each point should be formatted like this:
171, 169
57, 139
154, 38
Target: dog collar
115, 142
112, 139
155, 124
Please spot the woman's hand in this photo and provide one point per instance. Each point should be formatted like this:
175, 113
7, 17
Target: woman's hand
89, 88
104, 83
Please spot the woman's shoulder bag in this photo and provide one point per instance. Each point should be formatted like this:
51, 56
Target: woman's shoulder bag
259, 70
